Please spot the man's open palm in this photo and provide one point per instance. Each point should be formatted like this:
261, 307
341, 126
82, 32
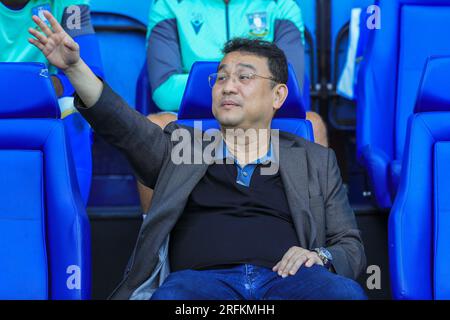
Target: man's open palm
57, 46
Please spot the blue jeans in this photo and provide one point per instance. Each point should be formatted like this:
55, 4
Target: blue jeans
249, 282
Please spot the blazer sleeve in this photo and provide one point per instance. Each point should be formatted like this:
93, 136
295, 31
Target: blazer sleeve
144, 143
343, 238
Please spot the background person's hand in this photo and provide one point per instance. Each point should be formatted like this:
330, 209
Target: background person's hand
293, 259
57, 46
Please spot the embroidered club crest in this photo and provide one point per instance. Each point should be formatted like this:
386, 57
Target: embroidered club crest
258, 24
39, 11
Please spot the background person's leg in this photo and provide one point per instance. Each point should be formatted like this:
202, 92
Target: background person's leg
319, 128
196, 285
145, 193
315, 283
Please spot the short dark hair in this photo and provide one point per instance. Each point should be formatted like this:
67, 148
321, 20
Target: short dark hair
275, 56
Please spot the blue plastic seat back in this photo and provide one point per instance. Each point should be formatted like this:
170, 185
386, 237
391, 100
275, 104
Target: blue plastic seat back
340, 19
22, 85
197, 99
299, 127
44, 228
23, 267
411, 31
419, 223
146, 105
121, 29
45, 248
27, 92
424, 31
342, 112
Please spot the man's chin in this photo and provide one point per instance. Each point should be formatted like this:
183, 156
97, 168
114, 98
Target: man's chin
229, 122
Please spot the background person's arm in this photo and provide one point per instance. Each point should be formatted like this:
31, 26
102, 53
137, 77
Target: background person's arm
164, 62
289, 37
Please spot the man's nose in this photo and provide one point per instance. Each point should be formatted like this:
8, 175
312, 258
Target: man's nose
230, 86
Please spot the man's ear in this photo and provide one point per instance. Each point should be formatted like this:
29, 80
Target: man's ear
280, 93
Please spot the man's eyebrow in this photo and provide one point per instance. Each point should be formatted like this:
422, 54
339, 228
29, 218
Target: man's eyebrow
245, 65
222, 66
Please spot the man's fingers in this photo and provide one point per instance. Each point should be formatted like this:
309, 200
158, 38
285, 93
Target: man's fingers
39, 45
282, 266
38, 35
291, 263
55, 25
275, 267
312, 260
42, 25
292, 252
310, 263
297, 266
288, 253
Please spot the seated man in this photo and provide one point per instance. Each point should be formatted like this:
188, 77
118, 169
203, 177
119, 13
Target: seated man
260, 216
74, 15
177, 37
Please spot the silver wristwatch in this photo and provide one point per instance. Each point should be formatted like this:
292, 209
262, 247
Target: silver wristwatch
325, 256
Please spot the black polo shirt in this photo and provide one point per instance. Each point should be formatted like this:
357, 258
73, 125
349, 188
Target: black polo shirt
234, 215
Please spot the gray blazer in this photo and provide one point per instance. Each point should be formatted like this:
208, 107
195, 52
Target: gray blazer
318, 203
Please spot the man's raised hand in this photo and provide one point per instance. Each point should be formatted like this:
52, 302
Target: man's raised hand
57, 46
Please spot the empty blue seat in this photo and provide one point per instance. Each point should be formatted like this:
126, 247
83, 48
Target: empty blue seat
342, 112
389, 78
44, 229
197, 101
419, 223
121, 28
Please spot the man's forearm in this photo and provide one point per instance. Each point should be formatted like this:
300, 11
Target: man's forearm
85, 82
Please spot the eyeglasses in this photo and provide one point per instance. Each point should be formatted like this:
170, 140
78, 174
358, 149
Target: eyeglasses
243, 78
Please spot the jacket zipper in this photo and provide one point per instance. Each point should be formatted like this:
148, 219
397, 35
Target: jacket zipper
227, 18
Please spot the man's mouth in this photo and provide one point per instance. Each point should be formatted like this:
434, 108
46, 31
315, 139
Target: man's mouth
229, 104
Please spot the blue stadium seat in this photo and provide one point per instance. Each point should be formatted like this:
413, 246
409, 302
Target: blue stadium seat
79, 140
121, 28
342, 112
419, 223
389, 78
197, 101
44, 228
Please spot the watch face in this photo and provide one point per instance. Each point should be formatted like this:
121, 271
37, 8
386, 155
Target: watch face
327, 254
